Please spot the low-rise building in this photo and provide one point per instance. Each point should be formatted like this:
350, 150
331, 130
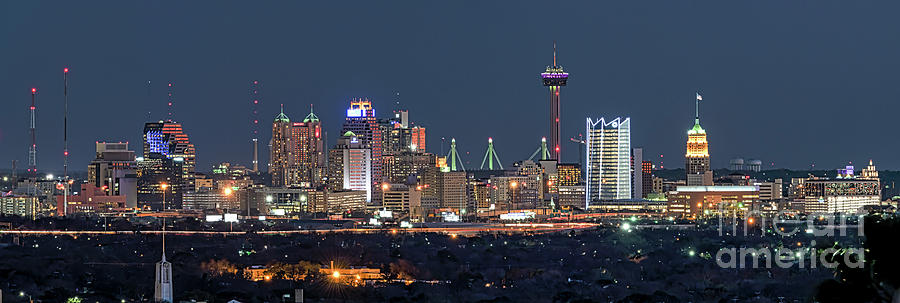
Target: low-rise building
698, 201
19, 206
849, 195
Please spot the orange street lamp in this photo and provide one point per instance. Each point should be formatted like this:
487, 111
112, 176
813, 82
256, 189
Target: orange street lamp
164, 186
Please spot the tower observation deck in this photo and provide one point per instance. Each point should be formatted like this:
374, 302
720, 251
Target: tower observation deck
554, 77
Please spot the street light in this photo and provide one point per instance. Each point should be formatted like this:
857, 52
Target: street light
23, 294
164, 186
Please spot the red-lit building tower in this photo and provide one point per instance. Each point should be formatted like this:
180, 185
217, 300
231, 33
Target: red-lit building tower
555, 78
309, 151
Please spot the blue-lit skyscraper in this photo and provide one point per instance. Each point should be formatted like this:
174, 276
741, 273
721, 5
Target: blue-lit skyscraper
361, 121
169, 158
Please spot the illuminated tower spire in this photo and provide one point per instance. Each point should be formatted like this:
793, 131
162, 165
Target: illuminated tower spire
696, 156
490, 156
555, 78
453, 156
254, 123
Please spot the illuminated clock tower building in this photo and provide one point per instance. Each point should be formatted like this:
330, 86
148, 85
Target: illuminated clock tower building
696, 158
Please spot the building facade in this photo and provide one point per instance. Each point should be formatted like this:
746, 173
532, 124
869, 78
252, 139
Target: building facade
696, 157
361, 121
350, 165
169, 139
608, 166
850, 195
699, 201
114, 171
281, 148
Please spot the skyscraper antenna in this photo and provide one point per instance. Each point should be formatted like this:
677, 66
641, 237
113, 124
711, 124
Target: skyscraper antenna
554, 52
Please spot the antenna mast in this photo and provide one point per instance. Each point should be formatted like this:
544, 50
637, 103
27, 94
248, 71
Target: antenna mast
254, 123
171, 100
32, 151
65, 141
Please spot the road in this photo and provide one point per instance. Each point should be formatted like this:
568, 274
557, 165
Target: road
462, 230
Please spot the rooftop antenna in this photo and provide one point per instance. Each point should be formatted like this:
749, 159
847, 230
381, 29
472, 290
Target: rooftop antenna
65, 141
554, 52
697, 107
149, 99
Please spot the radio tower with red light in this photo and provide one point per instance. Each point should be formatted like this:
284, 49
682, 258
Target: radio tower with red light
32, 150
254, 122
171, 99
65, 141
555, 78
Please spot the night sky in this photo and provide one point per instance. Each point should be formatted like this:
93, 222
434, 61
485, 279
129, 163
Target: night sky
789, 82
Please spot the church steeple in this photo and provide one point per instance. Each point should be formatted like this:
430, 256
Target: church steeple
163, 283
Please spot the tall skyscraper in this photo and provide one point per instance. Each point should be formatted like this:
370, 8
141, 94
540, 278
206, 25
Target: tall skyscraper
309, 151
608, 149
417, 139
169, 139
398, 136
637, 177
696, 158
280, 148
167, 165
361, 122
647, 175
350, 166
555, 78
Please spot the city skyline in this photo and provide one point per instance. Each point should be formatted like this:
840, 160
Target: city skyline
242, 151
658, 97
